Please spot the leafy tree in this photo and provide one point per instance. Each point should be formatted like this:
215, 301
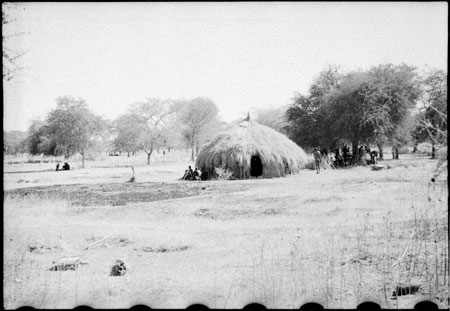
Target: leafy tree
307, 115
154, 119
347, 111
326, 81
14, 142
393, 92
303, 121
39, 141
73, 127
197, 117
128, 130
360, 107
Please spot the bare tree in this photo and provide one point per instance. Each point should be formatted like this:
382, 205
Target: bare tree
10, 55
155, 118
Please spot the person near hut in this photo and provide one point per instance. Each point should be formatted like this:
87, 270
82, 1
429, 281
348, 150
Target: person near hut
188, 173
338, 159
345, 154
287, 169
316, 155
204, 175
374, 156
197, 174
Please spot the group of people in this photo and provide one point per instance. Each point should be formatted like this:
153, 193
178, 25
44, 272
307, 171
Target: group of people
65, 167
191, 174
343, 157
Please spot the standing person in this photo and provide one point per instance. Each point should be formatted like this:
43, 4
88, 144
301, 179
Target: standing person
374, 156
316, 155
57, 166
345, 152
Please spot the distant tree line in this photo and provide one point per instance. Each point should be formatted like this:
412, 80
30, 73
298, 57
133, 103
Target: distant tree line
146, 126
385, 105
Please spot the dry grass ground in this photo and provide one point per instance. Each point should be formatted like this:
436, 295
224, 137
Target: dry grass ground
338, 238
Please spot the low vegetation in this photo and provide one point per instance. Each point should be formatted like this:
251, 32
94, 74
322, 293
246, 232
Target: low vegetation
338, 238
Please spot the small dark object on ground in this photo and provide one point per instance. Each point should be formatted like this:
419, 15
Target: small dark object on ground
67, 263
377, 167
118, 269
433, 180
405, 290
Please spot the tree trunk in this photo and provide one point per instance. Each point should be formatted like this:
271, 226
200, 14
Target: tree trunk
82, 157
355, 152
394, 152
149, 155
380, 151
433, 151
192, 152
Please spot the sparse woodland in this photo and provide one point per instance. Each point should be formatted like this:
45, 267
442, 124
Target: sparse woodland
340, 238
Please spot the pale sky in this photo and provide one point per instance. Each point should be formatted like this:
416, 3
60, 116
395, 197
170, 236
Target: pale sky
244, 56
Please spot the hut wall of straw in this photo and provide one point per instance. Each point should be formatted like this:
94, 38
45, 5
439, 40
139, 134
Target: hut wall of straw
234, 148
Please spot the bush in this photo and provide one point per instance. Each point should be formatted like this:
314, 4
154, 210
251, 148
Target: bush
223, 174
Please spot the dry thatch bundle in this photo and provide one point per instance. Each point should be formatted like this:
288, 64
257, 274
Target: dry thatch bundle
251, 149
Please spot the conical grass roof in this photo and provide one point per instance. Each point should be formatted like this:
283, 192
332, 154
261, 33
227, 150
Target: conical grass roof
234, 148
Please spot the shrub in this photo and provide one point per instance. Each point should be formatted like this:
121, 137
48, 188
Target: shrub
223, 173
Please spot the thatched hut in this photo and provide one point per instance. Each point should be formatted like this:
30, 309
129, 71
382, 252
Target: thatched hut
250, 149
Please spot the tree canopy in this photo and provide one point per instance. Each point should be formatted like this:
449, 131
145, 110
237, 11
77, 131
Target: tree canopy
368, 106
72, 126
197, 118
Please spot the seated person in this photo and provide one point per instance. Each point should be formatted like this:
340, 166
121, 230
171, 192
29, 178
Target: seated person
197, 174
188, 173
66, 166
204, 175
